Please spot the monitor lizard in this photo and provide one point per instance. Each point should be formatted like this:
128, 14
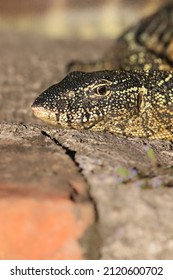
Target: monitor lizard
128, 92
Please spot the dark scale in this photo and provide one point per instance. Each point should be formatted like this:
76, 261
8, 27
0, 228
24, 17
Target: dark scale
136, 99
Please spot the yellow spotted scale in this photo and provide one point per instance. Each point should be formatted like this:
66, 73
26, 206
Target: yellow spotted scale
129, 92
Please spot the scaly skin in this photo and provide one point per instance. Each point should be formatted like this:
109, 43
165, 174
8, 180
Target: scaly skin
135, 100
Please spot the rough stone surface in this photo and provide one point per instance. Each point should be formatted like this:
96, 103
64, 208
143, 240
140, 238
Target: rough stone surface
132, 192
128, 181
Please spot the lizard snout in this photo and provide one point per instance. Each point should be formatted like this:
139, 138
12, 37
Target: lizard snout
45, 115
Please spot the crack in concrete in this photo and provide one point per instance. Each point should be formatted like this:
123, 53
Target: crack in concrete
72, 154
93, 233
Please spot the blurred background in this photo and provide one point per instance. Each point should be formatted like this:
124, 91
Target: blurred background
74, 18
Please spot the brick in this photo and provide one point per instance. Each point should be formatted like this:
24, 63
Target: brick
44, 204
41, 227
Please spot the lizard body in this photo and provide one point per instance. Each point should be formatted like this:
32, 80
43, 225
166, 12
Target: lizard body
136, 99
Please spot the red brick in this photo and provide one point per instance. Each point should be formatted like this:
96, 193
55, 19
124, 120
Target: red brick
38, 225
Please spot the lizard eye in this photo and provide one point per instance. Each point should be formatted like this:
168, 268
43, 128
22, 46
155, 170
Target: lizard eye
101, 90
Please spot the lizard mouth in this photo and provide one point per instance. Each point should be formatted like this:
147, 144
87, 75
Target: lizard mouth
44, 115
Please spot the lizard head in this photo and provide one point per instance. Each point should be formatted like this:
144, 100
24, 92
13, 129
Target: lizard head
89, 100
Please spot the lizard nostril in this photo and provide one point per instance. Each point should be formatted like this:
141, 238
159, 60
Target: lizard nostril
61, 105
